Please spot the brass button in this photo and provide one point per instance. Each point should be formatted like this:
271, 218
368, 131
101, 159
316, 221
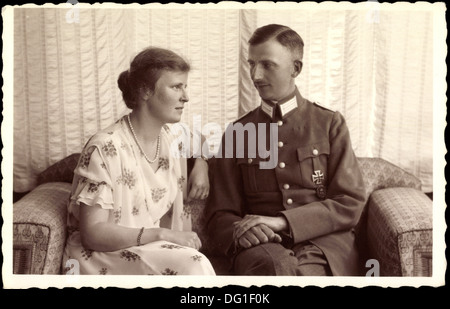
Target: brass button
250, 161
286, 186
281, 165
289, 201
280, 123
280, 144
315, 152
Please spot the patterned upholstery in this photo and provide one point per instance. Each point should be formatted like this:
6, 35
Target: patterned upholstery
39, 231
396, 225
378, 174
30, 247
196, 208
400, 230
61, 171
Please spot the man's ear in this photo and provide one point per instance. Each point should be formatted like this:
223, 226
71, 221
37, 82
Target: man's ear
298, 65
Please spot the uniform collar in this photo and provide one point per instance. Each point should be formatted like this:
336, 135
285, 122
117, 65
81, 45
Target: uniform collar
287, 105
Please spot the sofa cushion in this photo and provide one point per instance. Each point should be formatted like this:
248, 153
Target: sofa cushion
378, 174
399, 231
61, 171
39, 229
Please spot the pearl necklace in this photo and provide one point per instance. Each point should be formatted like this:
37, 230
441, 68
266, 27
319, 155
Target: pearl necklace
158, 145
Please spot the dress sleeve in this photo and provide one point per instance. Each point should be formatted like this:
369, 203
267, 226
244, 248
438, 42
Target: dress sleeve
92, 182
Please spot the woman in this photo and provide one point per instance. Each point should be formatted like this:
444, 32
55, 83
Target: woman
126, 214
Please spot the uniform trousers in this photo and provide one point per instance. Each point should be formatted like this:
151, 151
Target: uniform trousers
275, 259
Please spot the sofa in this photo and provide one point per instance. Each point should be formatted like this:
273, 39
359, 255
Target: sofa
395, 228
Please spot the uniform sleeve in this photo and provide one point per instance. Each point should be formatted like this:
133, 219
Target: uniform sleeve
225, 203
345, 192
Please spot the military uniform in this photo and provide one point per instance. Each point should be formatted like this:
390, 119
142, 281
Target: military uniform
316, 184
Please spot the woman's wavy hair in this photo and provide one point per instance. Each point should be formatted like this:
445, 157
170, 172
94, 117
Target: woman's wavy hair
145, 70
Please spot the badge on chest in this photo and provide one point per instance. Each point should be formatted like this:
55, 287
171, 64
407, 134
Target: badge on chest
318, 178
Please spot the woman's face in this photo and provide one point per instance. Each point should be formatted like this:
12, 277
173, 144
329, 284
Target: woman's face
167, 101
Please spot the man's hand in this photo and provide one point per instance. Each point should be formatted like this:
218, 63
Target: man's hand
276, 224
256, 235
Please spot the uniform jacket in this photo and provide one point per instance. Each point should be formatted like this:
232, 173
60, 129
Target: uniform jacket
312, 141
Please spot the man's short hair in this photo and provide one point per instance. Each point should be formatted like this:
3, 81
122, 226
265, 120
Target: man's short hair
283, 34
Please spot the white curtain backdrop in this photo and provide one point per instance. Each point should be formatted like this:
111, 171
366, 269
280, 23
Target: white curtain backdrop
402, 128
337, 63
375, 69
65, 74
374, 66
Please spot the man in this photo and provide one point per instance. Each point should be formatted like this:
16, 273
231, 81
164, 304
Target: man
296, 218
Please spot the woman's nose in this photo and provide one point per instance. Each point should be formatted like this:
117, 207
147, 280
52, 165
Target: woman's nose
184, 96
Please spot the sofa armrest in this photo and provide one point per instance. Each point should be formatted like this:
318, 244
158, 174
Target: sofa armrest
379, 174
399, 231
39, 229
196, 208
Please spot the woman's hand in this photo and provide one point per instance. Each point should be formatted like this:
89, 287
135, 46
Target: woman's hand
182, 238
198, 182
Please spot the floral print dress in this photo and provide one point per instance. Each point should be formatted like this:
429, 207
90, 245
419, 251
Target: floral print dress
114, 175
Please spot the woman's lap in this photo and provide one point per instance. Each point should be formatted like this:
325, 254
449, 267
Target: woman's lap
157, 258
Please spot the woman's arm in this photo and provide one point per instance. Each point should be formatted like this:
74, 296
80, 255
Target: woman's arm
99, 235
198, 182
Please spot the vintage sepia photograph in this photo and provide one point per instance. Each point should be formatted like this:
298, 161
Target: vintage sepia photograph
160, 145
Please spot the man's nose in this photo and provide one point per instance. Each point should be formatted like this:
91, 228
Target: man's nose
257, 72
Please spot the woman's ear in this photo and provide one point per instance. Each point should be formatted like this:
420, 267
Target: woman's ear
298, 65
144, 93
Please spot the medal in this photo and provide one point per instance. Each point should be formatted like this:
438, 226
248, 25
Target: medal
321, 192
317, 178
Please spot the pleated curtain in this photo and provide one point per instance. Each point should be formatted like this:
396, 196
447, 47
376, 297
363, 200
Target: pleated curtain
402, 126
373, 66
377, 73
65, 74
337, 63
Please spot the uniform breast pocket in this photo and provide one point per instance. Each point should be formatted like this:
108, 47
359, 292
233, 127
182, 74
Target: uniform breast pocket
248, 169
313, 162
256, 178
